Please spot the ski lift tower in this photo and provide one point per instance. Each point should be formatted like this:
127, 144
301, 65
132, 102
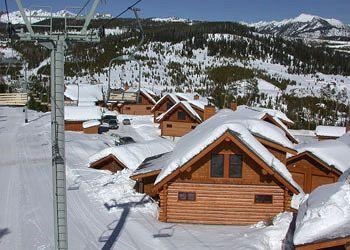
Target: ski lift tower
57, 43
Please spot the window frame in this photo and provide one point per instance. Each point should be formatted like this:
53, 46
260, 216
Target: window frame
181, 112
262, 197
169, 125
240, 156
186, 196
223, 165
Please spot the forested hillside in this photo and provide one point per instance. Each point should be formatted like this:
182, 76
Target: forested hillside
225, 60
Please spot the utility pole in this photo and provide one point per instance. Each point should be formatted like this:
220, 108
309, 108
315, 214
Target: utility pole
56, 42
26, 91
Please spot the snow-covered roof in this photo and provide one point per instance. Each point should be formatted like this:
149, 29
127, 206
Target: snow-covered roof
275, 113
345, 139
259, 113
333, 152
207, 132
132, 155
186, 105
151, 164
173, 97
200, 103
86, 92
146, 92
331, 131
91, 123
325, 215
78, 113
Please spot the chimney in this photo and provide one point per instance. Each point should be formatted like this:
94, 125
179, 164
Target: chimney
209, 111
233, 106
196, 97
126, 86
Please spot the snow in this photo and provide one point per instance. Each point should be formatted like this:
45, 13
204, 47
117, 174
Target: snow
266, 237
345, 139
91, 123
87, 93
207, 132
104, 211
132, 155
331, 131
184, 104
171, 19
275, 113
77, 113
333, 152
151, 164
324, 215
173, 97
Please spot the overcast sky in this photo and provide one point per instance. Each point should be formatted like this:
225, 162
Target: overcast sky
227, 10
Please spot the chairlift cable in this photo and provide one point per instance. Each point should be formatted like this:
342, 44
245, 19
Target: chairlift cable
7, 11
82, 8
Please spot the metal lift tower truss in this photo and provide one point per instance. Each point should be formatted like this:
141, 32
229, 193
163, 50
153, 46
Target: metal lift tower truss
56, 42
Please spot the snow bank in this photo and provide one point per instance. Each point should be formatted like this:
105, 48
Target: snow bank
132, 155
77, 113
332, 131
206, 133
333, 152
91, 123
266, 237
324, 215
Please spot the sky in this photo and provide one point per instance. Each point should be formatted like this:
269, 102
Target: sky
213, 10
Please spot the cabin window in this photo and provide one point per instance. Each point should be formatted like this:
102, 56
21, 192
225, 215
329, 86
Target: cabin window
235, 166
263, 198
169, 105
181, 115
148, 108
193, 126
127, 108
169, 125
217, 166
186, 196
140, 99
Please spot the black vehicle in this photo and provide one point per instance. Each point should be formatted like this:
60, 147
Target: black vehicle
113, 124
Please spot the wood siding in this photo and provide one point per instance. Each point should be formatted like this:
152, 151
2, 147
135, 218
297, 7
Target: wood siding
91, 130
222, 203
310, 174
177, 129
136, 109
108, 163
280, 155
73, 125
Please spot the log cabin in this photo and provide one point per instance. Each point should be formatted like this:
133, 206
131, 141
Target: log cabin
330, 132
319, 163
218, 173
91, 127
83, 94
128, 156
164, 104
75, 116
179, 120
142, 106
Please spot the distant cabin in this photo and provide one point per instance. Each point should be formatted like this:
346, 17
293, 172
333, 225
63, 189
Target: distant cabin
180, 119
319, 163
141, 107
218, 174
164, 104
128, 156
330, 132
76, 116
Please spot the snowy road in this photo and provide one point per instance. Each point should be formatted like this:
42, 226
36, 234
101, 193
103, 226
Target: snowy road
26, 198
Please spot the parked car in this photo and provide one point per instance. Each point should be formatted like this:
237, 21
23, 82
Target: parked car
126, 121
113, 124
